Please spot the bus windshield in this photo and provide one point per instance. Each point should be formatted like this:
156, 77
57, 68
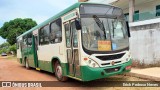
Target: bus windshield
104, 30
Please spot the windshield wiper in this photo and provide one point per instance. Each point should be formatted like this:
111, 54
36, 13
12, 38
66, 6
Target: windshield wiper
100, 24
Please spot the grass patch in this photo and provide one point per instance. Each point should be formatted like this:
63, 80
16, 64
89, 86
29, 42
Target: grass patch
12, 57
9, 57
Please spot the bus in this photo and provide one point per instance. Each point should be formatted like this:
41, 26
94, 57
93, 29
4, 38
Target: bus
86, 41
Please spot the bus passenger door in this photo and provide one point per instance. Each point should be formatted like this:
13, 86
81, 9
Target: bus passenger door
35, 46
72, 49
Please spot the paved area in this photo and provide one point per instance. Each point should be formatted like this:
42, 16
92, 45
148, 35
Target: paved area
155, 72
11, 70
147, 73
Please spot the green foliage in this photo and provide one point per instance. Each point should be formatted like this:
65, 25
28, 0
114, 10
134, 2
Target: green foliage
7, 48
3, 50
10, 30
4, 47
13, 48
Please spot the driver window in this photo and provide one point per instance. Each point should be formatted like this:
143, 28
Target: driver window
118, 30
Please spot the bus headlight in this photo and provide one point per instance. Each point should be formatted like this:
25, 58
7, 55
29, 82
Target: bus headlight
129, 57
92, 63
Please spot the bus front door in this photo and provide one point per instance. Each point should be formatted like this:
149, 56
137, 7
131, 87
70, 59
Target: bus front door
72, 49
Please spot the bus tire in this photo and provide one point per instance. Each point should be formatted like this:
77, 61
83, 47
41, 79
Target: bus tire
27, 64
58, 72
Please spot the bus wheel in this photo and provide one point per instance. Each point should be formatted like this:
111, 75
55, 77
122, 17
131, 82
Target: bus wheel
58, 72
26, 64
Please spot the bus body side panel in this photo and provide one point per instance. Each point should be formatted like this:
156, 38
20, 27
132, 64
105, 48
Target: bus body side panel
31, 56
19, 51
45, 65
24, 54
30, 50
46, 54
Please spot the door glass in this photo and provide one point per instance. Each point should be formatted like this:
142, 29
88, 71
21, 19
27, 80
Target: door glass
75, 39
76, 56
69, 56
68, 36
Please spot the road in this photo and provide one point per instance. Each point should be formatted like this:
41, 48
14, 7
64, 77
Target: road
11, 70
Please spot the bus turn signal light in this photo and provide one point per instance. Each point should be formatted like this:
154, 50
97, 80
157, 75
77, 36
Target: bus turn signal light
85, 59
128, 67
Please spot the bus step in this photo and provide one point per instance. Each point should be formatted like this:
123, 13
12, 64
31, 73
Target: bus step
38, 69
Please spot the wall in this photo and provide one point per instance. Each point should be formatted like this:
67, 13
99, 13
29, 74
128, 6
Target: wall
145, 39
145, 44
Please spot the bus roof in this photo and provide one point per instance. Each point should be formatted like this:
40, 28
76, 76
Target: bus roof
76, 5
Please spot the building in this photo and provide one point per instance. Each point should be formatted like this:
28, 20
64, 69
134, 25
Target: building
144, 21
83, 0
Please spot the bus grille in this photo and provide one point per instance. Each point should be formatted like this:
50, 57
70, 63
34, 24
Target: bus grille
110, 57
116, 62
110, 70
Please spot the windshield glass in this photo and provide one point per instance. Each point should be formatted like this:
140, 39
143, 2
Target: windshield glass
104, 32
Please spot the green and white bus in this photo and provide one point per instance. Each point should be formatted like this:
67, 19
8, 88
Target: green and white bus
86, 41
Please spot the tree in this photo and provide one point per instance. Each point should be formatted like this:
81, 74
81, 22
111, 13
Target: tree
10, 30
13, 49
4, 45
7, 48
4, 48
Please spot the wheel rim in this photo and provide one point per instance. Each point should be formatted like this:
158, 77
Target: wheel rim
59, 71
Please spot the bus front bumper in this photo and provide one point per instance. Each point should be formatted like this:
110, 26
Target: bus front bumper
89, 73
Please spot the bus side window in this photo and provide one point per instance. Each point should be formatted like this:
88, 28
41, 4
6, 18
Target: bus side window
29, 38
44, 35
56, 32
17, 44
24, 42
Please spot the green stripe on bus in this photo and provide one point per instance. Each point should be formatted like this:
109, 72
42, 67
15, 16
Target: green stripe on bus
48, 66
89, 73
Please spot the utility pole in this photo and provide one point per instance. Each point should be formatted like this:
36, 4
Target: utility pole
82, 0
131, 10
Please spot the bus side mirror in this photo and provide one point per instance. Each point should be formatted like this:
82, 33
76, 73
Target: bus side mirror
78, 25
128, 29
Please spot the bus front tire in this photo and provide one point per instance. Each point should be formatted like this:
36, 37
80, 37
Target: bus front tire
26, 64
58, 72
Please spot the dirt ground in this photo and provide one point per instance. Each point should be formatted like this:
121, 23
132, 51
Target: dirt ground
11, 70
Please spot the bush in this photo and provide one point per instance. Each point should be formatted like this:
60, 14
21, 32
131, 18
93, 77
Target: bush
13, 48
3, 50
7, 48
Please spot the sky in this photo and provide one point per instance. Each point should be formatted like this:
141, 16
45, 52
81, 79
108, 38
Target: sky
38, 10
